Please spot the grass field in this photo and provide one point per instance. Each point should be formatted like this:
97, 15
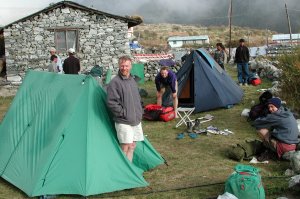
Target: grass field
197, 168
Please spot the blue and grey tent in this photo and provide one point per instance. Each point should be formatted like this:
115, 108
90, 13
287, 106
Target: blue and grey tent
203, 84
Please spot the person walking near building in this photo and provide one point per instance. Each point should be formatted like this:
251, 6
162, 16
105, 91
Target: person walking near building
124, 101
71, 64
59, 68
242, 57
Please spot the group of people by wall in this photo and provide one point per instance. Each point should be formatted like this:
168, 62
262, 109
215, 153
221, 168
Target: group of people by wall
71, 65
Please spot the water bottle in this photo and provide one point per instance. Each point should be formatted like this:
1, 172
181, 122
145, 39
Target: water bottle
229, 106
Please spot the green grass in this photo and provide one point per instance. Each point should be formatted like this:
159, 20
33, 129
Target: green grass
197, 167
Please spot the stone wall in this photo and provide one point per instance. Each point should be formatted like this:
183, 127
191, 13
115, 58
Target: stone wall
101, 40
10, 85
151, 69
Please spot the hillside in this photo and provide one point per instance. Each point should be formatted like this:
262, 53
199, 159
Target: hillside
156, 35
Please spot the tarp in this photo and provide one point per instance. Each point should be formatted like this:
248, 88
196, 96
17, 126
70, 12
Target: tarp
167, 62
203, 84
134, 46
58, 137
138, 70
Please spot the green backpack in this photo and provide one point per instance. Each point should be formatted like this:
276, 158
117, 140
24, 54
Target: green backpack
245, 183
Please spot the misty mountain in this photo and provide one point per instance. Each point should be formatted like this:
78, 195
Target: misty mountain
263, 14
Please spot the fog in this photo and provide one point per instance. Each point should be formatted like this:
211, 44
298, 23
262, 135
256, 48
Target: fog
262, 14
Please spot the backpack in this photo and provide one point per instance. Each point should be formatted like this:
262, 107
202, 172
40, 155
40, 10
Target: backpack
258, 110
261, 109
256, 81
167, 114
245, 182
96, 71
152, 112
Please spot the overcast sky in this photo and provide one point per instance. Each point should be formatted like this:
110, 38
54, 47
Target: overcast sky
266, 14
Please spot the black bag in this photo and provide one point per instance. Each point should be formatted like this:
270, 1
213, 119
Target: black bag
265, 96
261, 109
258, 110
152, 112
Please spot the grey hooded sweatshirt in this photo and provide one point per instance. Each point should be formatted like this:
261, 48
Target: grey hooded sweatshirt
281, 124
124, 100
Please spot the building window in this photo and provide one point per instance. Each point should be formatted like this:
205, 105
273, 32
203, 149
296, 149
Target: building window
174, 42
65, 39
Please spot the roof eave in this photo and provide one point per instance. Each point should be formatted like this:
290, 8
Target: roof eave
131, 22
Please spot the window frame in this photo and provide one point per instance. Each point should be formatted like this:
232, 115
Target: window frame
65, 31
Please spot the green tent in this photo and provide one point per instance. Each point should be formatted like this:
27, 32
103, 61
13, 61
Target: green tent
58, 137
138, 70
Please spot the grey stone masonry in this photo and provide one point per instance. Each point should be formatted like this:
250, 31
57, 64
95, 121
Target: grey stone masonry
101, 40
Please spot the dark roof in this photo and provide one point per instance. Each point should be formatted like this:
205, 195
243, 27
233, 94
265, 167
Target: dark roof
131, 22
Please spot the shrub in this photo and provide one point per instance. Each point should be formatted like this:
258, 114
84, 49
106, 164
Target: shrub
290, 81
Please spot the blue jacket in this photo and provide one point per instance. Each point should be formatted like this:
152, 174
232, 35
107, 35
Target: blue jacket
170, 80
281, 124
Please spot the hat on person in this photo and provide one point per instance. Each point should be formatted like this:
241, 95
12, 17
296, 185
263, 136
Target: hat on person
71, 50
275, 101
52, 49
242, 40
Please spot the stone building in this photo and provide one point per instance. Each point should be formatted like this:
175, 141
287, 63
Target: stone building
98, 37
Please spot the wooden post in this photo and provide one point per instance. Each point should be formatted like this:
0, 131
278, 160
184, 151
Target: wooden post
289, 23
267, 38
230, 16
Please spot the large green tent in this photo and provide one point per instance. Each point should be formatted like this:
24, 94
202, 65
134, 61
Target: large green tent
58, 137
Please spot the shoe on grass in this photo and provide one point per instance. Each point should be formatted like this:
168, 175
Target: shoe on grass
189, 127
193, 135
180, 136
267, 155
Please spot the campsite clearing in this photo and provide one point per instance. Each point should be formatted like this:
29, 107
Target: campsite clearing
197, 167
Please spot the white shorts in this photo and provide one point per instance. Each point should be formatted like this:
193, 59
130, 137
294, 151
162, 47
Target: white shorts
128, 134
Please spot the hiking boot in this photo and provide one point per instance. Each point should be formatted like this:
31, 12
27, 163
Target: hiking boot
267, 155
189, 127
288, 155
196, 127
298, 147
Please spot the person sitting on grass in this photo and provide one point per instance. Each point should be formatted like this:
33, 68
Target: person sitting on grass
278, 130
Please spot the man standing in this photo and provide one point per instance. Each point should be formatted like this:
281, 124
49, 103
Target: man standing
124, 101
71, 64
241, 59
58, 62
165, 78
